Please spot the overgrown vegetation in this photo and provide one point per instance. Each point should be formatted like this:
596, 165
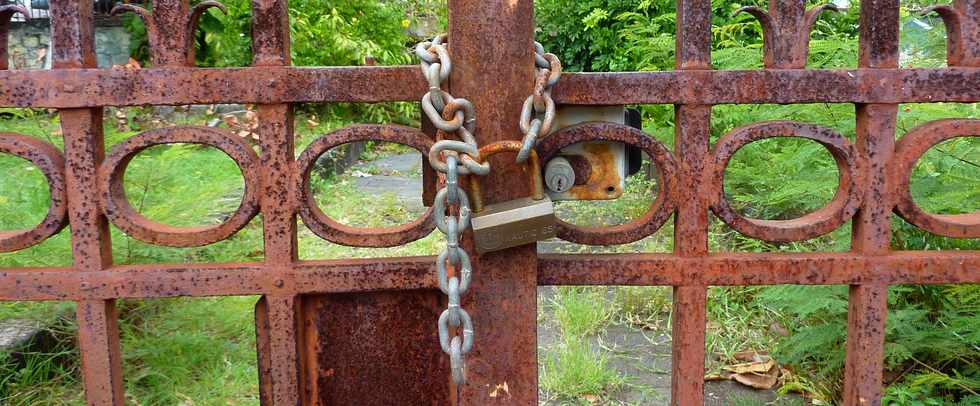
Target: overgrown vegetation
203, 351
932, 348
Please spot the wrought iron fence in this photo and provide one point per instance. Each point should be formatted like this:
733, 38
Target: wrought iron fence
361, 331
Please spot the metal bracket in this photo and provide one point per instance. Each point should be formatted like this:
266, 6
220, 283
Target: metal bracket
592, 170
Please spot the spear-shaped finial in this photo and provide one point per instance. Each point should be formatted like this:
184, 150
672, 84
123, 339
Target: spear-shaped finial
786, 31
962, 21
170, 28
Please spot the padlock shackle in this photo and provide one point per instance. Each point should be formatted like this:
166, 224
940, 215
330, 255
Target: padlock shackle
533, 166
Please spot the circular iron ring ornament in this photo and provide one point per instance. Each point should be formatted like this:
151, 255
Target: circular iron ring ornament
841, 208
660, 209
46, 157
908, 152
118, 210
331, 230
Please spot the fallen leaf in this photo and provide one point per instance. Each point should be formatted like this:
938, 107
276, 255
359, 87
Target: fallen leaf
758, 381
750, 356
498, 388
230, 120
760, 367
723, 376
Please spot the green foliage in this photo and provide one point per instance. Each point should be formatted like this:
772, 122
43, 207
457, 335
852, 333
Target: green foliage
589, 35
620, 35
323, 33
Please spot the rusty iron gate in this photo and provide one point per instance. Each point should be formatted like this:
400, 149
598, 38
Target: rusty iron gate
362, 331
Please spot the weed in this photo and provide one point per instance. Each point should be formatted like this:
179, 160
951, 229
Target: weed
643, 307
581, 311
576, 372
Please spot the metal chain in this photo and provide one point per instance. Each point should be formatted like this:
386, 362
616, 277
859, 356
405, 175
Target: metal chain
451, 115
538, 112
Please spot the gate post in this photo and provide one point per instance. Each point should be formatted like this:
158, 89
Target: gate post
491, 43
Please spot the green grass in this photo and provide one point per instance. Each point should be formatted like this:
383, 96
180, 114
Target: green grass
645, 307
36, 376
581, 312
576, 373
200, 351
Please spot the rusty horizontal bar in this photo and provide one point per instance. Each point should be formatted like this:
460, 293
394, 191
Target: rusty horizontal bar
360, 275
179, 86
198, 280
268, 85
771, 86
900, 267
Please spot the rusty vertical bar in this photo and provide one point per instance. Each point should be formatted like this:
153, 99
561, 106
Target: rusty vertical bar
171, 39
693, 52
867, 305
430, 179
491, 43
73, 40
277, 316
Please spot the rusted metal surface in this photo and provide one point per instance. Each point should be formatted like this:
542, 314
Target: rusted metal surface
48, 159
365, 275
962, 21
73, 44
376, 349
331, 331
334, 231
661, 208
270, 85
864, 363
7, 12
118, 210
822, 221
912, 146
786, 32
691, 144
170, 27
493, 67
532, 172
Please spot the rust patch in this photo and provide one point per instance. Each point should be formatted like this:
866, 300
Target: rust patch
603, 181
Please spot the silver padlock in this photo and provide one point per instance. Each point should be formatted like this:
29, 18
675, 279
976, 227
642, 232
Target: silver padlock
514, 222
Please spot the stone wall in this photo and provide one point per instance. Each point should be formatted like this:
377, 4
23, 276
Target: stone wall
29, 46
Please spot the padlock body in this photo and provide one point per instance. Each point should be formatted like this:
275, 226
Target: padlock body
513, 223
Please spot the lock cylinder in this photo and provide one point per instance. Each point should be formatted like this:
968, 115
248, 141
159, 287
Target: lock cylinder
559, 176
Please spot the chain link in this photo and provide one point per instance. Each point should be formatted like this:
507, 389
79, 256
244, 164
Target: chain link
451, 206
538, 112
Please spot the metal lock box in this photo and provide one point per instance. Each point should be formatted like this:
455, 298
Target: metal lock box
514, 222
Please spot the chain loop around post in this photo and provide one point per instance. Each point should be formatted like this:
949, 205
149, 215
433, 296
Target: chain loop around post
451, 157
538, 112
461, 156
